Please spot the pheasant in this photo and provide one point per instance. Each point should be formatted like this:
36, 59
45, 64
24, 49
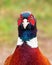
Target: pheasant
27, 51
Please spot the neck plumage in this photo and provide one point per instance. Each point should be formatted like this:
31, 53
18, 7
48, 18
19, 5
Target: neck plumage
33, 43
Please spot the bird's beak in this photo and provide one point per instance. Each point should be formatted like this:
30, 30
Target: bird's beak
25, 23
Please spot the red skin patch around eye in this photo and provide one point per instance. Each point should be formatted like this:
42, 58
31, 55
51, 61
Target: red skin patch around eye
20, 20
31, 19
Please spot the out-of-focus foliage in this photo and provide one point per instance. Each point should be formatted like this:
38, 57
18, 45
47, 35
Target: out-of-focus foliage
10, 9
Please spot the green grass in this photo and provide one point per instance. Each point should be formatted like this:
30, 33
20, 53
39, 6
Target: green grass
10, 10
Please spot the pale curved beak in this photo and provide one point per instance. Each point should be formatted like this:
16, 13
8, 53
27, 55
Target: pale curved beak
25, 23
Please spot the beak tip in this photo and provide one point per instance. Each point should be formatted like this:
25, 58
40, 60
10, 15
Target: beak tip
25, 23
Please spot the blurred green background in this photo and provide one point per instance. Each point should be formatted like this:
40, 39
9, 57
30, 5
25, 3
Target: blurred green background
9, 12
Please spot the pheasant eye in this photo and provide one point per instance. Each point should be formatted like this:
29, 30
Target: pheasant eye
19, 21
31, 20
31, 17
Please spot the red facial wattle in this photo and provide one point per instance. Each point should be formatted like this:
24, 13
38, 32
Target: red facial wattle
20, 20
30, 19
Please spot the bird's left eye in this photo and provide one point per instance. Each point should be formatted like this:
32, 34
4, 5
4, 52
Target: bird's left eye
31, 20
31, 17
